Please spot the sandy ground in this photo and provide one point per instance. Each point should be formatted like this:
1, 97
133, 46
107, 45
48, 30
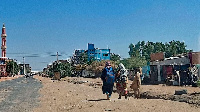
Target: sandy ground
85, 95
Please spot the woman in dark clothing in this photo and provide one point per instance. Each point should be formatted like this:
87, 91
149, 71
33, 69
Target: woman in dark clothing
108, 78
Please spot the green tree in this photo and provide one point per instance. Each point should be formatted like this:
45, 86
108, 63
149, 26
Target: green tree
131, 47
135, 50
115, 58
172, 48
10, 65
158, 47
134, 62
84, 58
64, 69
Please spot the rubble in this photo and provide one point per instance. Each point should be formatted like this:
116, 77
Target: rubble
180, 92
193, 98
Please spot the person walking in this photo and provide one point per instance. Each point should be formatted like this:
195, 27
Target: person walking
122, 81
108, 78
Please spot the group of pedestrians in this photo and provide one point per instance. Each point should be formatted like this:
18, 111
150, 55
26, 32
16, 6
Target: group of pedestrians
109, 78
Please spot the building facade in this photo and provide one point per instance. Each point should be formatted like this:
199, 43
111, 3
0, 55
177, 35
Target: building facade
102, 54
92, 54
27, 69
97, 54
91, 51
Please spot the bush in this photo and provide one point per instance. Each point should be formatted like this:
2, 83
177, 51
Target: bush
198, 83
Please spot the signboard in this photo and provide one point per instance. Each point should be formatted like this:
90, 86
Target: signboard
157, 56
195, 58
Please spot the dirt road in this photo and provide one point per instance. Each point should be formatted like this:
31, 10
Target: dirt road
85, 95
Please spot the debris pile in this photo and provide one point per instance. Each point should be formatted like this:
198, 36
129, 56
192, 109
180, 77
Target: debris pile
180, 95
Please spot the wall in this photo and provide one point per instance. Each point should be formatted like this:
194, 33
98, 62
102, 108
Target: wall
102, 54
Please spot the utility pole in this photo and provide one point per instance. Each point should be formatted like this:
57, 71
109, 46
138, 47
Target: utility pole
13, 67
24, 65
57, 57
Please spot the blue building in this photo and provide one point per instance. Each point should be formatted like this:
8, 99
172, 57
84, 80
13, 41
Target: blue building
91, 51
102, 54
97, 54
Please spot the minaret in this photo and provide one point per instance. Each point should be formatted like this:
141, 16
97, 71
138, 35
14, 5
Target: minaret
3, 48
3, 45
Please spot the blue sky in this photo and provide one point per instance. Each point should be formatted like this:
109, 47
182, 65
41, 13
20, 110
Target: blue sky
37, 29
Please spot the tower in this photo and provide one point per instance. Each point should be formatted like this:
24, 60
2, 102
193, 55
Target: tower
3, 45
3, 48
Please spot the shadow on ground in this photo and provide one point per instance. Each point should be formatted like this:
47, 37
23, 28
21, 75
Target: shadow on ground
97, 100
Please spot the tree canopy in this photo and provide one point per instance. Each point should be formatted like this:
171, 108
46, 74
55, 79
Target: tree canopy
134, 62
10, 65
144, 49
63, 68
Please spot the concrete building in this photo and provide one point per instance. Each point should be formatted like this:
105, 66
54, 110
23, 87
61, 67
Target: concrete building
92, 54
97, 54
27, 69
91, 51
102, 54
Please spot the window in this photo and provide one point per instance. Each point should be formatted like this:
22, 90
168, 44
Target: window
105, 54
